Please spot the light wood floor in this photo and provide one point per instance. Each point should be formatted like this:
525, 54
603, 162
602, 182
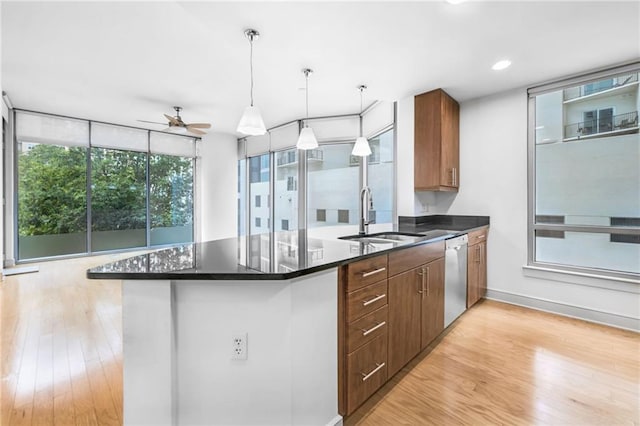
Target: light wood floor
61, 337
503, 364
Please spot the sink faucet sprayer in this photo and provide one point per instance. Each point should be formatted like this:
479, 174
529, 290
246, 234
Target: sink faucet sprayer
366, 204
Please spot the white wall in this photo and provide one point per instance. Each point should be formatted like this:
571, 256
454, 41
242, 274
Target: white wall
493, 164
217, 186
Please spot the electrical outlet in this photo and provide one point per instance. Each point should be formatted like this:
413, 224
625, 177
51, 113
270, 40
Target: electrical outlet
239, 346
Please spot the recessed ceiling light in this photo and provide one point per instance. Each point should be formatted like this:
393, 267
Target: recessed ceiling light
500, 65
455, 1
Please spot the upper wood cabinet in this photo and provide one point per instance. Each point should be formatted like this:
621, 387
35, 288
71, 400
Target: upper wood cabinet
436, 142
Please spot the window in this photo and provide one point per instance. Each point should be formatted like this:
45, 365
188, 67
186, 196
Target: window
171, 199
257, 201
318, 186
585, 174
285, 190
52, 185
381, 177
343, 216
333, 185
66, 165
118, 199
52, 200
258, 222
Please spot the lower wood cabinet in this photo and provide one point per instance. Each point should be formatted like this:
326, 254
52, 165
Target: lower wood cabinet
432, 302
390, 307
367, 371
363, 318
477, 266
416, 312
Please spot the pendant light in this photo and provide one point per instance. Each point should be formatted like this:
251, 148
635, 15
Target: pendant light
251, 122
361, 148
307, 140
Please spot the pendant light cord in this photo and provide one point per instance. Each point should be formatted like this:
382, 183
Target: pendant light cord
306, 91
251, 65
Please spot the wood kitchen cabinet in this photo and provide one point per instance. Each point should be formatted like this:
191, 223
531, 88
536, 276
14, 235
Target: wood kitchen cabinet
416, 305
390, 307
436, 142
362, 331
477, 266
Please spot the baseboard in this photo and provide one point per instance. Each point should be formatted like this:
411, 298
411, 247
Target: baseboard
336, 421
591, 315
20, 270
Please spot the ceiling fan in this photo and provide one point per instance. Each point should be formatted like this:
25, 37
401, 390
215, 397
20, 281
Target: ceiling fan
176, 125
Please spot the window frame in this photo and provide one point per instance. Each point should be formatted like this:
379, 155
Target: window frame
532, 225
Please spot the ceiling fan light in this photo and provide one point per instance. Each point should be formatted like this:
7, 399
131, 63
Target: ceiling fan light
307, 139
251, 122
361, 148
176, 129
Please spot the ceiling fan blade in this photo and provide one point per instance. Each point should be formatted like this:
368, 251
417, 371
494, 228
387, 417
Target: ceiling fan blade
172, 120
199, 125
196, 131
152, 122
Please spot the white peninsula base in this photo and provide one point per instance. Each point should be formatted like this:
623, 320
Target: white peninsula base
178, 348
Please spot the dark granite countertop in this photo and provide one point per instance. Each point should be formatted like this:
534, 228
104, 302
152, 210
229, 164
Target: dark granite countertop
274, 256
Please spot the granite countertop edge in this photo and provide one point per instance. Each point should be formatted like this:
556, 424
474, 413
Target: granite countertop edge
255, 275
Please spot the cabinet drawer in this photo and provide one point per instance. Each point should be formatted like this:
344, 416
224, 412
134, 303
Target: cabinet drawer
367, 328
365, 272
478, 236
367, 369
404, 260
366, 300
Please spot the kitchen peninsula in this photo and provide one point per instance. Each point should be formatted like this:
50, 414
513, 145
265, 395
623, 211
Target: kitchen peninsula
182, 306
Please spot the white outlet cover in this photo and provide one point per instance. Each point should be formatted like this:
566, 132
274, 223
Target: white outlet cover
239, 346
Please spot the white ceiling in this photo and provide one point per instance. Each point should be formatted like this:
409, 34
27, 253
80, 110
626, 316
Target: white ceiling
123, 61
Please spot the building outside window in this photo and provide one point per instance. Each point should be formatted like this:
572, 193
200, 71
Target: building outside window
585, 197
333, 186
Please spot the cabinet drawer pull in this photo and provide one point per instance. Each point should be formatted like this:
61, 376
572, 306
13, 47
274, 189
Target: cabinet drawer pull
372, 329
480, 237
365, 377
367, 274
375, 299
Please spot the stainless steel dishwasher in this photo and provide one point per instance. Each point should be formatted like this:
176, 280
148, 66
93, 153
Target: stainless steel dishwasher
455, 278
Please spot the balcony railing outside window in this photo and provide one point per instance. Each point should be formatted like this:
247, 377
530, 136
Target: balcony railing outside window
599, 86
602, 125
291, 157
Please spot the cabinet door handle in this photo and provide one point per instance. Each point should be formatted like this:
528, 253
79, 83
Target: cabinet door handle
365, 377
454, 172
375, 271
478, 254
375, 299
428, 286
421, 274
374, 328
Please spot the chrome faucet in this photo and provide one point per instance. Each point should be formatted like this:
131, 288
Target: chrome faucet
366, 204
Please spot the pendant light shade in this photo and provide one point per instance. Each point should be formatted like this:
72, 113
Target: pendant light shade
251, 122
307, 139
361, 148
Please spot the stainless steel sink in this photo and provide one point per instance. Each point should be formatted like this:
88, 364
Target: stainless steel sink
386, 238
